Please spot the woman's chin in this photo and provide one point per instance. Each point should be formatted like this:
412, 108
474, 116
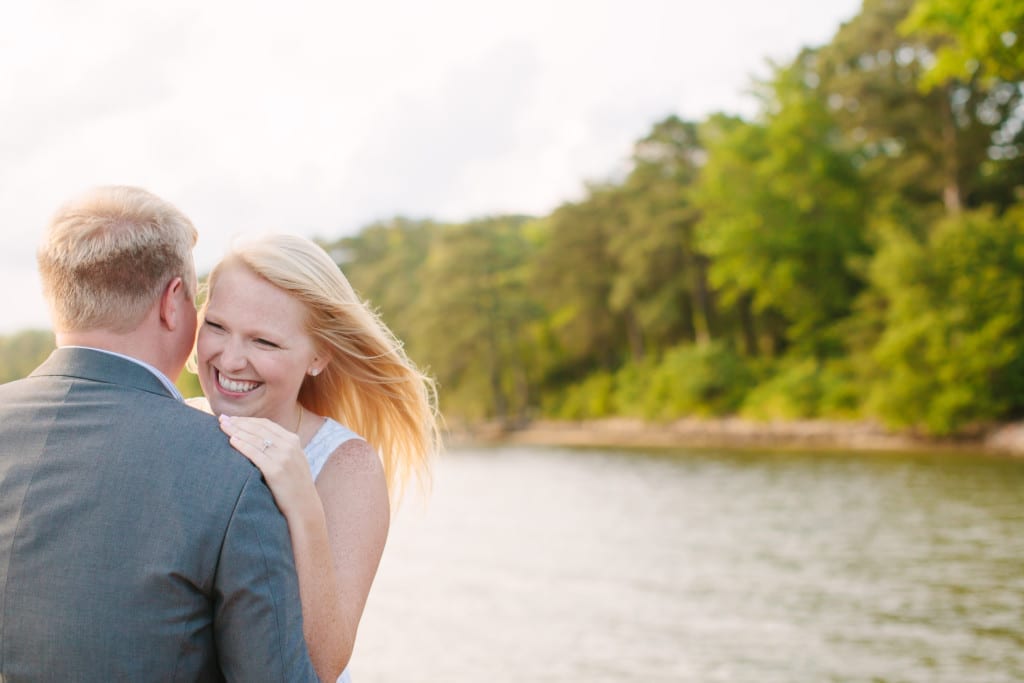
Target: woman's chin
227, 405
218, 406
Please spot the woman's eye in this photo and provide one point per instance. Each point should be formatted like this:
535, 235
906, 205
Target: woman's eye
268, 344
210, 323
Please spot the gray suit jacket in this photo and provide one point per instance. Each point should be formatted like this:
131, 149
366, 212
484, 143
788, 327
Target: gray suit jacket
135, 543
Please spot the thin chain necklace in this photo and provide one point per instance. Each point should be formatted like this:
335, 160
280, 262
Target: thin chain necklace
299, 425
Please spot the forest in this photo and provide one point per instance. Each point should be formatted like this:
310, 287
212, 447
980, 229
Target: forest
855, 250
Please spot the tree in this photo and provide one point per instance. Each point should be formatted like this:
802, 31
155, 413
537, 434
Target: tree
383, 263
929, 146
660, 280
980, 50
783, 212
976, 38
951, 353
473, 323
574, 274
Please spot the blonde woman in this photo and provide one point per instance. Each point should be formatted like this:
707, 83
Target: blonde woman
314, 389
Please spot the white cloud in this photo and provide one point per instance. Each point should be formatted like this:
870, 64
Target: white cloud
318, 117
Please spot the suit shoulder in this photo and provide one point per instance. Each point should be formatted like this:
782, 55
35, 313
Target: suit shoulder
199, 437
13, 387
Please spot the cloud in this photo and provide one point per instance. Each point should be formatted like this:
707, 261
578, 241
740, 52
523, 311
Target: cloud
61, 80
318, 117
424, 153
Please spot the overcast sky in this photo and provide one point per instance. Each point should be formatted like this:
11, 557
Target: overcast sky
319, 117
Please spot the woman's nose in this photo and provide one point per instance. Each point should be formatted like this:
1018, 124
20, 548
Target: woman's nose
232, 356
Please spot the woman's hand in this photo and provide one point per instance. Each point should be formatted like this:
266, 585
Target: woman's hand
279, 456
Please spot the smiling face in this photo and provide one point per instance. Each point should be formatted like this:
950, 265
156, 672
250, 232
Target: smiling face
253, 348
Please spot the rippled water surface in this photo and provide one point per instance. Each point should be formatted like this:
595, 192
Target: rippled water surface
542, 564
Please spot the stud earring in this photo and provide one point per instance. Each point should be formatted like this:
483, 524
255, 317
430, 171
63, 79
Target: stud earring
314, 371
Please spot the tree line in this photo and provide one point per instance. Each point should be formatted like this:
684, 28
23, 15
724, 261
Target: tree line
855, 250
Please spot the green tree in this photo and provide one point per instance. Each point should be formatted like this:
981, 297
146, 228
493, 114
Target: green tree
951, 353
473, 324
573, 274
976, 37
979, 55
660, 279
383, 263
925, 147
783, 213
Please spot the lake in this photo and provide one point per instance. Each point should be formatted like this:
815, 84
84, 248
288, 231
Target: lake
600, 565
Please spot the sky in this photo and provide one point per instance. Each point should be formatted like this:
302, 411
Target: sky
321, 117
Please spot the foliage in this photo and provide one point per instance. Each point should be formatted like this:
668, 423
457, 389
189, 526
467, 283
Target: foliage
575, 261
957, 142
590, 399
952, 352
659, 281
706, 380
977, 36
474, 322
22, 352
804, 388
783, 213
383, 264
696, 380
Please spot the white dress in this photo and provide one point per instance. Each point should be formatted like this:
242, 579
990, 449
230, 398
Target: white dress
326, 440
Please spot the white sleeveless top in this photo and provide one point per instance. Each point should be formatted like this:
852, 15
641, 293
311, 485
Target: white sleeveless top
326, 440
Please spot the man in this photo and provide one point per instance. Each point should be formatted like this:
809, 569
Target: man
135, 544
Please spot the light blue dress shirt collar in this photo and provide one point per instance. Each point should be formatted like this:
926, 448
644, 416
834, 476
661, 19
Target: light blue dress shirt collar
168, 384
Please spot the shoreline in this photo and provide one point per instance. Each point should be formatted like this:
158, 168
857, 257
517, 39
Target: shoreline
733, 432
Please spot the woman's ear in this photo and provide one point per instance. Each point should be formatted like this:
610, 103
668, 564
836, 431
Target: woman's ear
316, 365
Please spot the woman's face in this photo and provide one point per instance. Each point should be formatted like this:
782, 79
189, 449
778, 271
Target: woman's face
253, 348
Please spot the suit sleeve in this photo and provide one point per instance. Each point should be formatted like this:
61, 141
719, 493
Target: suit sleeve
257, 613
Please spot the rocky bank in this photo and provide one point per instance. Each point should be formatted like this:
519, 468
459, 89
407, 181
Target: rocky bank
734, 433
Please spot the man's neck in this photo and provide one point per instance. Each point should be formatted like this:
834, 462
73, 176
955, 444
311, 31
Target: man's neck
132, 344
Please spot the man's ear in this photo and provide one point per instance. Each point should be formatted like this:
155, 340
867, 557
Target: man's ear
171, 303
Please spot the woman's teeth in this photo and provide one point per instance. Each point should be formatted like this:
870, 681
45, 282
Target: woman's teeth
236, 386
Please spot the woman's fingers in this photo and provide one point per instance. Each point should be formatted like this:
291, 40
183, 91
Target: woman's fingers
253, 426
255, 445
249, 443
259, 433
275, 451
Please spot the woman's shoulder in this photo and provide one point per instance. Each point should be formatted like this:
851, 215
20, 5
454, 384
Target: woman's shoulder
356, 472
331, 437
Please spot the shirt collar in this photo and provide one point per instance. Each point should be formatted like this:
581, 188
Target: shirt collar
168, 384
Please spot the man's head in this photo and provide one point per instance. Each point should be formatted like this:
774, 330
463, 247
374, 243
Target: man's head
109, 260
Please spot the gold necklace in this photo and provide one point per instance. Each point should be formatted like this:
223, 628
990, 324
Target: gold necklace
299, 425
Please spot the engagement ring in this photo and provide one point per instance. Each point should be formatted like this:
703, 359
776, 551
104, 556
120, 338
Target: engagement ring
267, 443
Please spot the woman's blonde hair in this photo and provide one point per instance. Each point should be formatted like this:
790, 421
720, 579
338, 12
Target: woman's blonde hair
369, 383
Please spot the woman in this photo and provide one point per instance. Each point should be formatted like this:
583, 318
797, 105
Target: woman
311, 386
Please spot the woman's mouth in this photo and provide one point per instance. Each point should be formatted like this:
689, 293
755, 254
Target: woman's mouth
235, 386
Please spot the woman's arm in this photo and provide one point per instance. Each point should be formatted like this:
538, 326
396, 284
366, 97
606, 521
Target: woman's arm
338, 527
356, 509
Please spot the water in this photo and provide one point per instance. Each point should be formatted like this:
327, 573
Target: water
543, 564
